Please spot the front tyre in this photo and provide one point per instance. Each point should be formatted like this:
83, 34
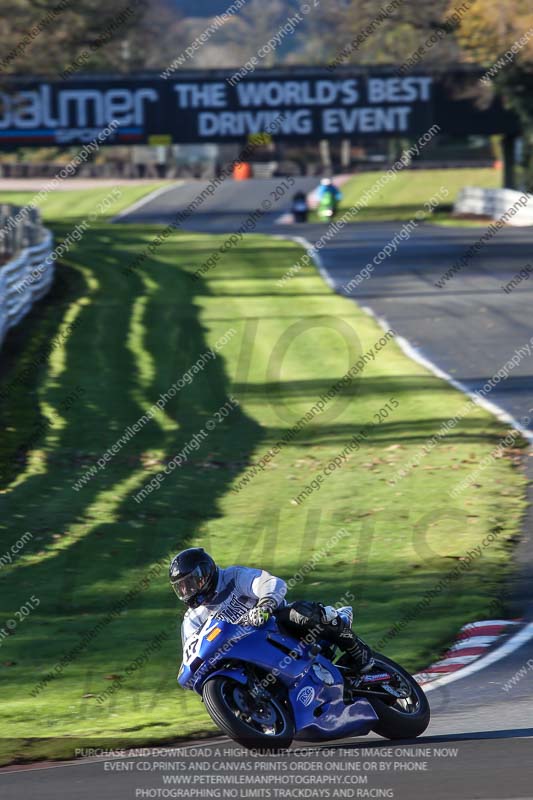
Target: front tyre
404, 718
262, 723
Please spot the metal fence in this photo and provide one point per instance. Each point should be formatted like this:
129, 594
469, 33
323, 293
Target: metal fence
26, 268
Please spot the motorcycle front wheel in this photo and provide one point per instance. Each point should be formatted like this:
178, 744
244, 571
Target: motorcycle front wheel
262, 723
400, 718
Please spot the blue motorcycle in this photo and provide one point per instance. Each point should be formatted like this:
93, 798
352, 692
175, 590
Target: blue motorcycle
264, 688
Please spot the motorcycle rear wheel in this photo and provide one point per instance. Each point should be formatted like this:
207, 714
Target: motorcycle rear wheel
264, 724
404, 719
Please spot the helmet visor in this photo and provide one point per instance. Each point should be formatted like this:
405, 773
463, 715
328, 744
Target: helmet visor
187, 586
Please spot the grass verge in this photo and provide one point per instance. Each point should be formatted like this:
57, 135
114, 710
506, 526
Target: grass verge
406, 193
79, 203
131, 337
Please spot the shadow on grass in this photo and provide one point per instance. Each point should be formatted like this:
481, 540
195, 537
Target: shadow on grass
137, 335
130, 346
25, 353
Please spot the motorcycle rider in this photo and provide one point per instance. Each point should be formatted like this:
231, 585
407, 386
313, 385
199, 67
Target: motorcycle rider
299, 207
328, 193
250, 597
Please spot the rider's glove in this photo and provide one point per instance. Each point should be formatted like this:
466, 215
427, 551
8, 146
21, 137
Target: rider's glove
261, 613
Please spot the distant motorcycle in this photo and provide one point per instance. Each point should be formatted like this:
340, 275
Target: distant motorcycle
300, 209
264, 688
328, 196
327, 207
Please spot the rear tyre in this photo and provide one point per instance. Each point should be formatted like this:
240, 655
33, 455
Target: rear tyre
401, 719
263, 724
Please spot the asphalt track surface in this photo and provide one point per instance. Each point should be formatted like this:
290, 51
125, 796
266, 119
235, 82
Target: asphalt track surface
480, 741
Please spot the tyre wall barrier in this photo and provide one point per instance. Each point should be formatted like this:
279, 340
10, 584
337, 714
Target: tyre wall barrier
495, 202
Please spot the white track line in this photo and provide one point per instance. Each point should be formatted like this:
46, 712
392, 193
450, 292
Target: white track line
147, 199
446, 662
415, 353
526, 634
315, 255
474, 641
512, 644
518, 640
488, 623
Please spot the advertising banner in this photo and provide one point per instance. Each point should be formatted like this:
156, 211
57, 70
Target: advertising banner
196, 107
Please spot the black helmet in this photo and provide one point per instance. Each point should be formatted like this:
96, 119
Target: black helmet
193, 576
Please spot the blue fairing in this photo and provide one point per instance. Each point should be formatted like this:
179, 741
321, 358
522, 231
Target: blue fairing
314, 684
325, 715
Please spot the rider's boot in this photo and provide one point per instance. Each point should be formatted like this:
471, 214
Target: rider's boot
358, 655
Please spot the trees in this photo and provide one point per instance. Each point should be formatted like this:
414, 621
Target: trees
43, 37
499, 36
491, 27
67, 36
397, 28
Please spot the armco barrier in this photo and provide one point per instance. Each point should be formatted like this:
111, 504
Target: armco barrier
493, 203
27, 272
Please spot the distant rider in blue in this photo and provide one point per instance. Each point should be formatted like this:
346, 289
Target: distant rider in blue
328, 189
250, 597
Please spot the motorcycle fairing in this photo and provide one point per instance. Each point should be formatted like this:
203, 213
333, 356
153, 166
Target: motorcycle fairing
320, 711
318, 707
270, 652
